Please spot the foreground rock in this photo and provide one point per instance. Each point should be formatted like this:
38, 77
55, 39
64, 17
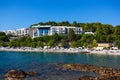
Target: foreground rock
102, 73
15, 75
98, 78
18, 74
88, 78
106, 73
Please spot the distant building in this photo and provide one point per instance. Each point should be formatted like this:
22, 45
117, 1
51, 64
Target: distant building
41, 30
12, 32
18, 32
22, 31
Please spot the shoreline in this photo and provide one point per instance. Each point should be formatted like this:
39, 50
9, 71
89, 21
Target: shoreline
106, 52
62, 50
28, 49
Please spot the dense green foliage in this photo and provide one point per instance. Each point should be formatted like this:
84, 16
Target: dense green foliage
3, 39
104, 33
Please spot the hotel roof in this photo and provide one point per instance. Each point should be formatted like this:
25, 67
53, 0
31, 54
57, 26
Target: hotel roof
39, 26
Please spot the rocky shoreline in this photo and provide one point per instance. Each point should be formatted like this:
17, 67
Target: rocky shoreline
104, 72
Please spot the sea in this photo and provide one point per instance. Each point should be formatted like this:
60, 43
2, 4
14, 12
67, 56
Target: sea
44, 64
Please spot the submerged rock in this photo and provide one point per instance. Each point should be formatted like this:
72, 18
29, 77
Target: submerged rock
32, 73
88, 78
15, 75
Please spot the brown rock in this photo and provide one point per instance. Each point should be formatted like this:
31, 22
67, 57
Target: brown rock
31, 73
87, 78
15, 75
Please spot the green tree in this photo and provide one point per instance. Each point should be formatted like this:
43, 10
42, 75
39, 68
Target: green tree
94, 43
51, 43
99, 30
85, 45
117, 30
2, 34
73, 44
86, 39
56, 36
63, 23
40, 44
107, 29
78, 37
71, 35
88, 27
3, 37
53, 23
74, 24
110, 38
28, 41
13, 43
38, 39
4, 44
102, 38
63, 43
46, 38
117, 43
95, 26
34, 44
81, 25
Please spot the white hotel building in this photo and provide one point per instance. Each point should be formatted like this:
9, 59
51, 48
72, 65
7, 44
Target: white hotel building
39, 30
18, 32
50, 30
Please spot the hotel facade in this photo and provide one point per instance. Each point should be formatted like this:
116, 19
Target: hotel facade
18, 32
51, 30
41, 30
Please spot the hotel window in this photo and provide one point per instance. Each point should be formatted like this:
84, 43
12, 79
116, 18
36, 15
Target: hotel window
61, 30
46, 31
54, 29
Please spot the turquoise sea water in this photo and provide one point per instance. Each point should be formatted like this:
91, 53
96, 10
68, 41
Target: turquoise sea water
39, 61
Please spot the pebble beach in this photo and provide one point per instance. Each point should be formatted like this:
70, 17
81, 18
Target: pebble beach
62, 50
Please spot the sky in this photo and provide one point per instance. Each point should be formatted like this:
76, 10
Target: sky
15, 14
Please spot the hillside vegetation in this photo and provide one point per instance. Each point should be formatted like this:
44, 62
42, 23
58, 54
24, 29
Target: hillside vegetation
104, 33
